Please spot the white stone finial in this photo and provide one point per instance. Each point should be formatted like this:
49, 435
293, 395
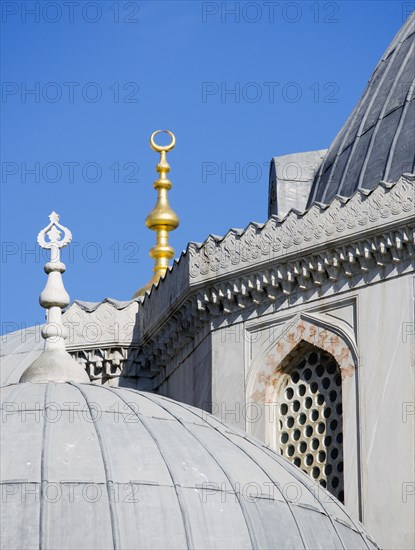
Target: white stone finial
55, 363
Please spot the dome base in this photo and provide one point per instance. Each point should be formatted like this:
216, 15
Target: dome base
54, 366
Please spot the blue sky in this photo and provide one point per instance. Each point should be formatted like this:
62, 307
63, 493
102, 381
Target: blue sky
84, 84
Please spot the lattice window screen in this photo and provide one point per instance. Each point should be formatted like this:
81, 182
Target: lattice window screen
311, 418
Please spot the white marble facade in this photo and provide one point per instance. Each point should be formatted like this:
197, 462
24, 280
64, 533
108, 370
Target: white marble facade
300, 330
361, 314
231, 319
234, 315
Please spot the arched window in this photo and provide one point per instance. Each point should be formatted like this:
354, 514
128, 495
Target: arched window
310, 415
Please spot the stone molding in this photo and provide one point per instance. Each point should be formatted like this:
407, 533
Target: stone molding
357, 241
102, 364
100, 327
263, 377
366, 238
343, 219
311, 272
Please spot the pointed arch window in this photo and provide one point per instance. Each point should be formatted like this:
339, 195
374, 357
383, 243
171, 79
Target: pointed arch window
310, 415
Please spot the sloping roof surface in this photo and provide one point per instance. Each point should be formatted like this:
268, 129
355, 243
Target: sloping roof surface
150, 473
18, 351
377, 141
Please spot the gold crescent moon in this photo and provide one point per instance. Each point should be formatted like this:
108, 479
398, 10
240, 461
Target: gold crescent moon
160, 148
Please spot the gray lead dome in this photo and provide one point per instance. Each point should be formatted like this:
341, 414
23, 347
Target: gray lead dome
94, 467
377, 141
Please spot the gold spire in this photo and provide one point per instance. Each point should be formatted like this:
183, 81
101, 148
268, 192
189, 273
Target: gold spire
162, 218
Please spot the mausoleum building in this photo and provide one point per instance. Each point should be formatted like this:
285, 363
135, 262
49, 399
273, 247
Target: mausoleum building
298, 331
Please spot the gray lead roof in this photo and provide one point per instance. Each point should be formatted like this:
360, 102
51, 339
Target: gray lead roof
377, 142
150, 473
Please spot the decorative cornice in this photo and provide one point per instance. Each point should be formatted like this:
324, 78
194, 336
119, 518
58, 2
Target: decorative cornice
352, 242
364, 212
349, 243
104, 364
310, 271
104, 325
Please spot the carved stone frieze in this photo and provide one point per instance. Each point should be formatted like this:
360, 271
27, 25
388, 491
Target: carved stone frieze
103, 325
365, 211
348, 243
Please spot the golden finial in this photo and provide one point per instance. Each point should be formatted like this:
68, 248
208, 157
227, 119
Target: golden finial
162, 218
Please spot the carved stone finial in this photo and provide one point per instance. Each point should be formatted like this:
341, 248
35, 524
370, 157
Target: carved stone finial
162, 219
54, 364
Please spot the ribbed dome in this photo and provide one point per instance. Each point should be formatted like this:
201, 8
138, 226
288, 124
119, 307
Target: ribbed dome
150, 473
18, 350
377, 141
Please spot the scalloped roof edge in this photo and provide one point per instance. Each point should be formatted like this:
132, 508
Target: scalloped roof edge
119, 304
